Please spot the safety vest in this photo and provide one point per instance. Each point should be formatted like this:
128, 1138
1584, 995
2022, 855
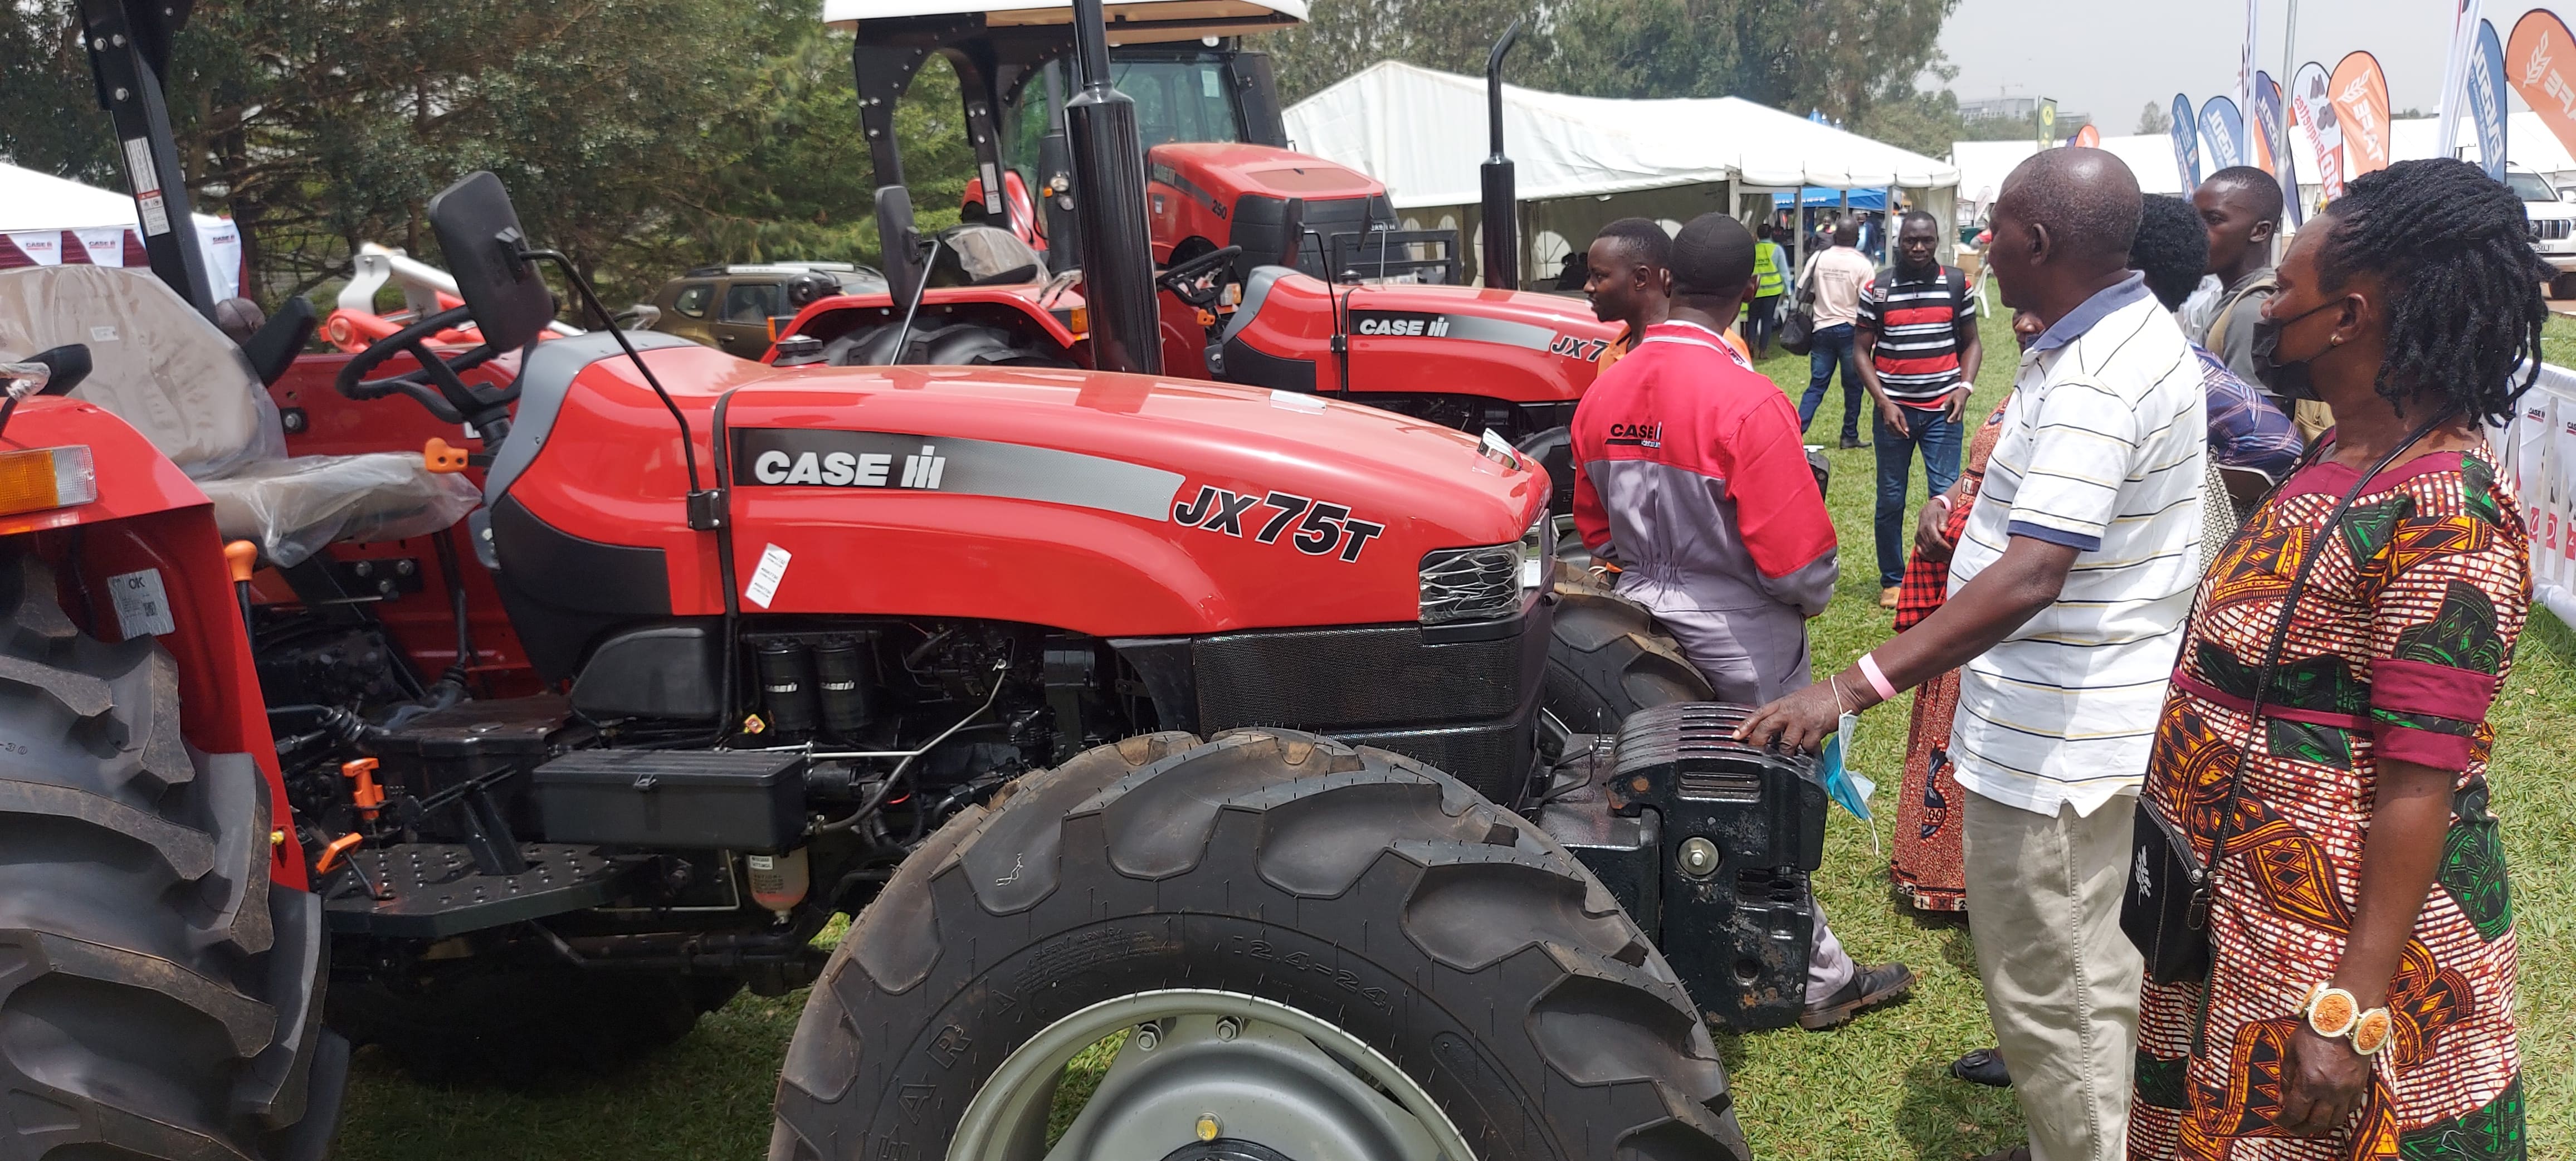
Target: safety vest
1766, 271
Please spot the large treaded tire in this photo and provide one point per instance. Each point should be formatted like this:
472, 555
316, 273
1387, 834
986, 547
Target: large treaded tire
1609, 659
518, 1025
159, 996
1355, 885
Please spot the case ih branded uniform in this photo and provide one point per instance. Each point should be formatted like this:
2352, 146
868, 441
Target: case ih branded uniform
1690, 473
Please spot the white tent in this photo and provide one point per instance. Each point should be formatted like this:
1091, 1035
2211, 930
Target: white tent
1423, 133
47, 220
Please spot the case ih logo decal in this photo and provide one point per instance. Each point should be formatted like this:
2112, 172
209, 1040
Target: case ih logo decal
1320, 526
1636, 435
1414, 324
816, 458
1393, 322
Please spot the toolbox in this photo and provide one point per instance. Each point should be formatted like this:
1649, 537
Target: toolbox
738, 800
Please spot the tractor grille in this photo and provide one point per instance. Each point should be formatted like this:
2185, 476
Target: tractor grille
1470, 584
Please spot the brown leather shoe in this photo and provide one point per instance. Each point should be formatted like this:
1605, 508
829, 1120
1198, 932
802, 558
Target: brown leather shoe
1887, 597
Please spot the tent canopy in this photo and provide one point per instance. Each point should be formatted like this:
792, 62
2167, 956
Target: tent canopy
43, 219
1423, 133
1816, 196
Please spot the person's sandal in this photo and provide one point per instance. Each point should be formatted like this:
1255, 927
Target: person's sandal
1984, 1066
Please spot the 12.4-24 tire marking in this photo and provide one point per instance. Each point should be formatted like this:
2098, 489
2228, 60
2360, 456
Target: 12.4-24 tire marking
1319, 526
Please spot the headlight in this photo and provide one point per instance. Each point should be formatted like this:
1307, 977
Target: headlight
1480, 584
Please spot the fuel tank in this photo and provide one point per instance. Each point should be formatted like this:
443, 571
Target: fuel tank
1106, 504
1514, 346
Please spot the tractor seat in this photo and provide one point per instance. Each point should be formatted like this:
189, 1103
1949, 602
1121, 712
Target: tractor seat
167, 371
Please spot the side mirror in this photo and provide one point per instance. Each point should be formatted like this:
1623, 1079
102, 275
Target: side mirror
479, 234
900, 241
68, 364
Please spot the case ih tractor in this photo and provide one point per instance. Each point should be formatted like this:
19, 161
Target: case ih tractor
1275, 269
1216, 725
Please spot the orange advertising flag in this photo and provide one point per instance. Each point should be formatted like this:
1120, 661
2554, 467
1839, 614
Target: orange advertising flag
2360, 93
2540, 62
2088, 137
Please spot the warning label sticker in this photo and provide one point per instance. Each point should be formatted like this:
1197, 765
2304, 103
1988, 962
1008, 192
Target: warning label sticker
764, 578
142, 605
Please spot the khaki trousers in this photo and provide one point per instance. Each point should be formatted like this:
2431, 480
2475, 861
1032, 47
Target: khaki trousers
2061, 978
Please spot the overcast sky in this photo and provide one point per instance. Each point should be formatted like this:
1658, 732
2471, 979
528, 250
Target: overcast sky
2110, 57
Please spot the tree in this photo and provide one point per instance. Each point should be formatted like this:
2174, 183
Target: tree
2154, 119
1342, 36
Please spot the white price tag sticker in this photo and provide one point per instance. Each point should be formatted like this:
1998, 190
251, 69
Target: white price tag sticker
764, 578
142, 604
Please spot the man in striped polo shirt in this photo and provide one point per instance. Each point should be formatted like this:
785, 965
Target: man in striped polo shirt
2068, 590
1917, 352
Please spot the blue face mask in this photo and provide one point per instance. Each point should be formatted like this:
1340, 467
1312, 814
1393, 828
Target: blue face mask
1843, 784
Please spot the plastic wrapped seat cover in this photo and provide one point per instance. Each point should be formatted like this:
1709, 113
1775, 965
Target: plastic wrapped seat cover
155, 362
293, 507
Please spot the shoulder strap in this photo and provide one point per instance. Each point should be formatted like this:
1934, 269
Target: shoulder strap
2226, 312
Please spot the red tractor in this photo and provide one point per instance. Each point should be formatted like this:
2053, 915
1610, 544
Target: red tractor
1217, 723
1275, 269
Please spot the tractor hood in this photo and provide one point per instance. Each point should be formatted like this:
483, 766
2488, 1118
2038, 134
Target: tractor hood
1113, 505
1231, 170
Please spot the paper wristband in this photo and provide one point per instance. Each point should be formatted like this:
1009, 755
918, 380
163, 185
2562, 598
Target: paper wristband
1877, 680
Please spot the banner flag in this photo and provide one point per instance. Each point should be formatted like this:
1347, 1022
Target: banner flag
2245, 70
2087, 137
2272, 132
2312, 110
2533, 65
2455, 72
2222, 129
2361, 106
2485, 85
106, 245
42, 247
2186, 142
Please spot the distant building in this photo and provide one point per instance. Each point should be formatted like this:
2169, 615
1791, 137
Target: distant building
1999, 107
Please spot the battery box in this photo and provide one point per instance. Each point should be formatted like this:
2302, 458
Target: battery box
738, 800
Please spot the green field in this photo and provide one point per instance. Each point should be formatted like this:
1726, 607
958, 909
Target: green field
1873, 1090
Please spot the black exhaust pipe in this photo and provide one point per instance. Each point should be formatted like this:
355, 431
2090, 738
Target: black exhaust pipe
1109, 204
1502, 205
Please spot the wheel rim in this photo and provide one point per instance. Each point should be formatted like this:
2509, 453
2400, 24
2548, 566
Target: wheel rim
1208, 1074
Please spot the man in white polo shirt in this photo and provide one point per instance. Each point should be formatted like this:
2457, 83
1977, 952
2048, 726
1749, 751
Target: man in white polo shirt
2067, 596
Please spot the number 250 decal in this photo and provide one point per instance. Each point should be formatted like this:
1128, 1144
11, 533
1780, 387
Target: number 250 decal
1319, 526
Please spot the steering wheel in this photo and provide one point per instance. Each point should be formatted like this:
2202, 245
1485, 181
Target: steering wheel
437, 384
1184, 278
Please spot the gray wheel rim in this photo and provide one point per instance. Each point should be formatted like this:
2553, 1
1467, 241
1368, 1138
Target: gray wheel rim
1202, 1064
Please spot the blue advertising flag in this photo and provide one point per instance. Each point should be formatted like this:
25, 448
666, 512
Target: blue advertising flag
2186, 143
2270, 117
2222, 131
2485, 84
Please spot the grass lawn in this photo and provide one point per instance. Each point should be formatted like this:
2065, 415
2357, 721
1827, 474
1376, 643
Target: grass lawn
1877, 1089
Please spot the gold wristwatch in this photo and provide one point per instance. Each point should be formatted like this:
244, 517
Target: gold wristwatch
2333, 1013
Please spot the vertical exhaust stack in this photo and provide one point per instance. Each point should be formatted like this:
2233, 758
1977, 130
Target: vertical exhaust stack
1502, 225
1109, 204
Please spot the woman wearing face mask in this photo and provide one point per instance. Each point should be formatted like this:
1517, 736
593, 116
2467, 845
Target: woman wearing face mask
2327, 721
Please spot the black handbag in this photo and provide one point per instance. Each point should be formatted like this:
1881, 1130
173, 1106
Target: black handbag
2164, 908
1798, 331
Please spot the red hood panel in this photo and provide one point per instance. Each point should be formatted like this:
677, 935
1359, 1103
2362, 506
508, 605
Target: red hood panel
1047, 497
1232, 170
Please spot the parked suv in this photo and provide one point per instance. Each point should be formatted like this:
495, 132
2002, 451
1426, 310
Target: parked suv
2553, 227
729, 307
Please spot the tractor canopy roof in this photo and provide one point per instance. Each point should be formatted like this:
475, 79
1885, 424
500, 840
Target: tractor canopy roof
1130, 21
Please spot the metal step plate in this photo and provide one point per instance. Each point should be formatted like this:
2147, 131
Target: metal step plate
436, 892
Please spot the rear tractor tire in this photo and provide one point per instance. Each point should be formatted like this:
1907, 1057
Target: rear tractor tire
159, 996
1281, 946
1610, 659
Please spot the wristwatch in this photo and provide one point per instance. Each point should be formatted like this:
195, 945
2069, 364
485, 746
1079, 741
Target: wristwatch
2333, 1013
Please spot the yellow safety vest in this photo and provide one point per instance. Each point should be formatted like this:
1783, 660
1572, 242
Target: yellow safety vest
1766, 271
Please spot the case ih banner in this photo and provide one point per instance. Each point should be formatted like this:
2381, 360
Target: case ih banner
2540, 63
2361, 106
2538, 450
122, 246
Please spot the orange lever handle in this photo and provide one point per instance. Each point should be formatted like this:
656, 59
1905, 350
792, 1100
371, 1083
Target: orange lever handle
241, 558
366, 793
339, 846
441, 458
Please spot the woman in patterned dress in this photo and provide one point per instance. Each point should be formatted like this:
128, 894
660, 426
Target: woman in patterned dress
2362, 852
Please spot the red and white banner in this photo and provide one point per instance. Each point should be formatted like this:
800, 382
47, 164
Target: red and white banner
42, 247
2312, 115
2538, 450
106, 244
2361, 107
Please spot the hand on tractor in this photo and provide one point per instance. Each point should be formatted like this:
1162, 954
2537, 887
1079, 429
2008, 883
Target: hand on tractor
1800, 721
